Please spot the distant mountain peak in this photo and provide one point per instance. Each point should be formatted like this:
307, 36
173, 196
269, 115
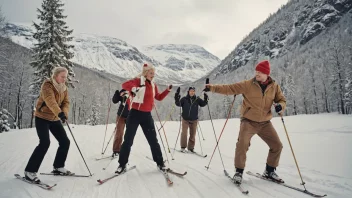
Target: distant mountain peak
176, 63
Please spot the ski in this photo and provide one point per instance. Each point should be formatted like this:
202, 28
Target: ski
41, 184
71, 175
198, 154
286, 185
192, 152
100, 181
244, 191
179, 174
176, 173
167, 177
107, 157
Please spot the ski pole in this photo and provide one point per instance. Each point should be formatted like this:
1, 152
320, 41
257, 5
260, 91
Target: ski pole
108, 163
106, 128
294, 157
179, 131
168, 118
162, 142
200, 143
164, 131
115, 128
201, 132
107, 120
217, 140
78, 147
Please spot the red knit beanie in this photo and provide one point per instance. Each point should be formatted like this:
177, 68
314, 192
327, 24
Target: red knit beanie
263, 67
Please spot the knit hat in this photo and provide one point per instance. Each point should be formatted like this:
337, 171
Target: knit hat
146, 68
189, 89
263, 67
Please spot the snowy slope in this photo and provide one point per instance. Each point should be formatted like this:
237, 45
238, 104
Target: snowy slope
117, 57
321, 143
191, 61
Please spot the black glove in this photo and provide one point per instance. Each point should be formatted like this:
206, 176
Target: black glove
206, 89
278, 108
177, 97
124, 93
206, 98
178, 90
62, 116
116, 97
170, 87
122, 90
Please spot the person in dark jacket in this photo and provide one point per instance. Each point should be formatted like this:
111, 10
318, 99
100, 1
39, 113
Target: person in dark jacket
189, 106
122, 113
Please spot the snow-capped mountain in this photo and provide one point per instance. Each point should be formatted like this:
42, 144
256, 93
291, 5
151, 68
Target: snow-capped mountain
308, 45
293, 26
175, 63
183, 59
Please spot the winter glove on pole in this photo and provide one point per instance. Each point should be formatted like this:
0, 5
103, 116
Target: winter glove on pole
278, 108
207, 87
62, 116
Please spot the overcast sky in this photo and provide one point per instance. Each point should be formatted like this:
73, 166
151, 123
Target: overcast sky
216, 25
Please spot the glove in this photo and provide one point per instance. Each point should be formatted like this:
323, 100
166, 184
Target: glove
169, 87
206, 98
123, 93
278, 108
116, 98
62, 116
207, 88
177, 96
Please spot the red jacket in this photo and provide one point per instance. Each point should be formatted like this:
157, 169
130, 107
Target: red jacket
148, 101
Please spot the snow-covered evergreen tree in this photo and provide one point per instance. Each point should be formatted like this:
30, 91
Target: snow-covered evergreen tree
94, 117
52, 48
348, 85
2, 23
4, 123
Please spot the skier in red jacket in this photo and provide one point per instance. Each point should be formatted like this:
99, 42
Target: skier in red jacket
143, 91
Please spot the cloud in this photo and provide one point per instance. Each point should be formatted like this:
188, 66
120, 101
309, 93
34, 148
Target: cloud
215, 25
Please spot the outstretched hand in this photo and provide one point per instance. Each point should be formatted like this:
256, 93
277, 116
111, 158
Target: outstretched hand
207, 88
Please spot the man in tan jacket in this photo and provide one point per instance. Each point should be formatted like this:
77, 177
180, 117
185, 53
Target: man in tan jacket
259, 94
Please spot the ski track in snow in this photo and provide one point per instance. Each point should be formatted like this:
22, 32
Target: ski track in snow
321, 144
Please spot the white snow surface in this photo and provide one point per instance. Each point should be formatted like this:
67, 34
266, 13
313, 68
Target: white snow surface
322, 145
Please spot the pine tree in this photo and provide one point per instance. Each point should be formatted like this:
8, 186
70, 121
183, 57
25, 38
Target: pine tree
4, 124
94, 118
348, 85
2, 23
52, 48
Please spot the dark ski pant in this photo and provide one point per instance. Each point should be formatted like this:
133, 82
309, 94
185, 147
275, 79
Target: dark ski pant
145, 119
58, 131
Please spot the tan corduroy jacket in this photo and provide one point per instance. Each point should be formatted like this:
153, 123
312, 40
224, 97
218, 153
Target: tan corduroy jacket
256, 106
51, 102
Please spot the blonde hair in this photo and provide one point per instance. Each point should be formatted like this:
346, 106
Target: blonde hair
146, 68
58, 70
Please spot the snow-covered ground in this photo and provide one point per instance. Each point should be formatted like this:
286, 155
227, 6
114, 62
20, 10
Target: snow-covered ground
322, 144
